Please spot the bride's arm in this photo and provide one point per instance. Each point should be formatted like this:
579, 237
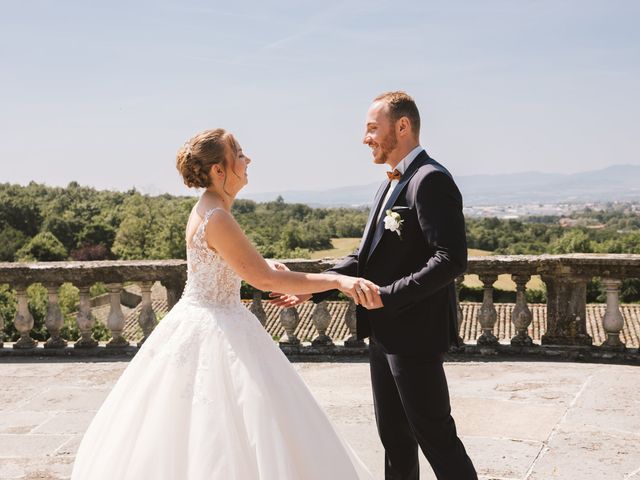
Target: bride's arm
224, 235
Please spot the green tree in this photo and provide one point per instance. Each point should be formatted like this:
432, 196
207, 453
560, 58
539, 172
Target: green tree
97, 233
11, 240
44, 247
169, 240
133, 238
19, 211
573, 241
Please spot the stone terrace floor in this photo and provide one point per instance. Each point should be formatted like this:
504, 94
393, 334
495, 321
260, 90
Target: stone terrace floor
518, 420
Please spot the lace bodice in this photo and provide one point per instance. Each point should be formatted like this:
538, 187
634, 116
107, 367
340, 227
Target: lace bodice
210, 279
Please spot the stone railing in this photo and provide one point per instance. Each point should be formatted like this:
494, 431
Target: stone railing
170, 273
565, 277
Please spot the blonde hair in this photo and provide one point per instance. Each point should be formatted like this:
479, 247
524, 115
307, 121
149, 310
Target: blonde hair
196, 157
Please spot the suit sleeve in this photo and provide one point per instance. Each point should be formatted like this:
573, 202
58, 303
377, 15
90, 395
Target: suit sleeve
439, 210
348, 266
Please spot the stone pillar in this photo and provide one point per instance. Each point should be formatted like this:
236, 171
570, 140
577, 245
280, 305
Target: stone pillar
487, 315
85, 320
1, 330
613, 321
115, 320
521, 316
23, 320
321, 319
147, 319
459, 281
289, 319
174, 291
566, 310
257, 309
54, 320
350, 319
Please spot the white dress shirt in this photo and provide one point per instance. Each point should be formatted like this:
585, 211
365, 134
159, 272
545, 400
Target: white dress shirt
401, 167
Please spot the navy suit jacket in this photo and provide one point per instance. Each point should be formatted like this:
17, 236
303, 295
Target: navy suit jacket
416, 270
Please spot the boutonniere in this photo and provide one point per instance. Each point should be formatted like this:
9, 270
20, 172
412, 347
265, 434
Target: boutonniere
393, 222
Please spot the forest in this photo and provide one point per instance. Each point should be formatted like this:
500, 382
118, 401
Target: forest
42, 223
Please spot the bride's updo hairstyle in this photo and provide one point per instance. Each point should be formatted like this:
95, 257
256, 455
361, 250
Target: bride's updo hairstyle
196, 157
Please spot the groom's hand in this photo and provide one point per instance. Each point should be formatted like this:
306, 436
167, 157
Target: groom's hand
286, 300
370, 298
364, 292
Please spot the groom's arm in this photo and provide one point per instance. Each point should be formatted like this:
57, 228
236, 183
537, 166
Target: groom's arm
348, 266
439, 209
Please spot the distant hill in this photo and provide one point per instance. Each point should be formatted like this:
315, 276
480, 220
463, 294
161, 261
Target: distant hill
615, 183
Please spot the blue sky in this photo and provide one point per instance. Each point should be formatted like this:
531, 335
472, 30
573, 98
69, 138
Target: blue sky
105, 93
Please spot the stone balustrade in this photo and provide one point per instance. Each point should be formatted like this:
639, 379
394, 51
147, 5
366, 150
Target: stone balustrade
565, 278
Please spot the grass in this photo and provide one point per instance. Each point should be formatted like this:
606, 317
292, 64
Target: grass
345, 246
341, 247
475, 252
504, 281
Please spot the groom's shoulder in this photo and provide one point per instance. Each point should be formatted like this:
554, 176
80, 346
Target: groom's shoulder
432, 178
432, 169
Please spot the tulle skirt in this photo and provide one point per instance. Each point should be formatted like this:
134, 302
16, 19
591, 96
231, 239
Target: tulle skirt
211, 396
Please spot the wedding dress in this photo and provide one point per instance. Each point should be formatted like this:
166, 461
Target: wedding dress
210, 396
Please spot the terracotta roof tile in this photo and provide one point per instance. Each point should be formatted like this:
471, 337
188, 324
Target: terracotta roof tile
469, 329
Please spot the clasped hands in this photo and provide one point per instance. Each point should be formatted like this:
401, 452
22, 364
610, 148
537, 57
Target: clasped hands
363, 292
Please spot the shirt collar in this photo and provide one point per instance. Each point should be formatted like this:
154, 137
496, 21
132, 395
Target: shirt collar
406, 161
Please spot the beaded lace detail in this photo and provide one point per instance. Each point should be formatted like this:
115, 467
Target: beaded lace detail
210, 280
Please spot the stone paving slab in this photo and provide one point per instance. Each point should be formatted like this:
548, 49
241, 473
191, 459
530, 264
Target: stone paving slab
518, 420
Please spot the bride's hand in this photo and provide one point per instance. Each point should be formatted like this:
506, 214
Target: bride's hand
277, 265
287, 300
363, 292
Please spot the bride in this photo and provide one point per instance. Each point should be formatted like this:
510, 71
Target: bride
209, 395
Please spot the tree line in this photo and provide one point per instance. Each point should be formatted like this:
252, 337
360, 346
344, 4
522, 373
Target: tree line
42, 223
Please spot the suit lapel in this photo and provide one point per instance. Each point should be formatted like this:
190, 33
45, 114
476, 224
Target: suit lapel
382, 190
413, 168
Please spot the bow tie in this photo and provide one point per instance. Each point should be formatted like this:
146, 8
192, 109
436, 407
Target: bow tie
395, 175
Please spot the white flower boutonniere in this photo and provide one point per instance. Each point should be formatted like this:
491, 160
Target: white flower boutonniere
393, 222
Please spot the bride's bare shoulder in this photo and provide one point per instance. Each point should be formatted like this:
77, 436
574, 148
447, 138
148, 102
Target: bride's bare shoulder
220, 222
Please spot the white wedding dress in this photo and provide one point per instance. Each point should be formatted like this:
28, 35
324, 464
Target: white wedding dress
210, 396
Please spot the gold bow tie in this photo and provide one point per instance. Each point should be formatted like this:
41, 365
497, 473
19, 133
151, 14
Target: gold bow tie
395, 175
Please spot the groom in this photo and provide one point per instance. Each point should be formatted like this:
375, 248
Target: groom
414, 246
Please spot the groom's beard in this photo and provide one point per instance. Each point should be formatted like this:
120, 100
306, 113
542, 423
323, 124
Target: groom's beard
388, 145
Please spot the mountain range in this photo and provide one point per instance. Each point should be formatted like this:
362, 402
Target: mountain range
614, 183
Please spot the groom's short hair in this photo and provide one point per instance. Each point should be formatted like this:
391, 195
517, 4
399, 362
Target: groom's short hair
401, 105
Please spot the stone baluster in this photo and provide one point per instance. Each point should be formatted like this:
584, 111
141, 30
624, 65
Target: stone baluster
566, 309
1, 330
487, 315
115, 320
147, 319
174, 291
321, 319
350, 319
23, 320
459, 282
85, 320
54, 320
521, 316
257, 309
289, 319
613, 321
